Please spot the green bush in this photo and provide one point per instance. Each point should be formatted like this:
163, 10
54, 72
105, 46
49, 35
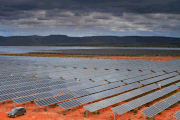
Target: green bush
64, 114
135, 111
159, 113
45, 109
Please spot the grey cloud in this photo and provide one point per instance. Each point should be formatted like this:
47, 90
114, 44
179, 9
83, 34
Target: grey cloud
101, 17
90, 20
43, 18
29, 23
77, 14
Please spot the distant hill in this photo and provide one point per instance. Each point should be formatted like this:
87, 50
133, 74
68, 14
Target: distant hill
63, 40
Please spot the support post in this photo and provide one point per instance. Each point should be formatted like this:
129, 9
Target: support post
36, 107
144, 117
14, 104
6, 104
71, 113
96, 114
61, 110
26, 105
109, 114
114, 116
86, 113
47, 110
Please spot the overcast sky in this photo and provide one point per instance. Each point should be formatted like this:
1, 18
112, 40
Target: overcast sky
90, 17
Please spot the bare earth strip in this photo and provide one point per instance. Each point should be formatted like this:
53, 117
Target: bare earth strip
148, 58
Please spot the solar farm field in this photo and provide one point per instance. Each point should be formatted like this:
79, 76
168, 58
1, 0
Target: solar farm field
89, 89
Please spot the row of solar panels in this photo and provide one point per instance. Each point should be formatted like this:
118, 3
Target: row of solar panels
130, 66
122, 97
97, 96
35, 88
143, 100
99, 75
79, 93
60, 90
15, 84
145, 82
160, 106
169, 68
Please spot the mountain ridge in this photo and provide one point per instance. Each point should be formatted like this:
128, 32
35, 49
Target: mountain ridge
116, 41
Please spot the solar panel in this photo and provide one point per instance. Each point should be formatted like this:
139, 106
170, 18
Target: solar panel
177, 115
70, 104
45, 102
151, 111
64, 97
86, 99
168, 81
178, 84
172, 100
60, 91
122, 109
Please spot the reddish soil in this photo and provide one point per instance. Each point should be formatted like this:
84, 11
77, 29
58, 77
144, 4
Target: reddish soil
53, 113
152, 58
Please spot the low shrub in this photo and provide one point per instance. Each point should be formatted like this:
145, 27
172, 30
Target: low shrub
135, 111
45, 109
159, 113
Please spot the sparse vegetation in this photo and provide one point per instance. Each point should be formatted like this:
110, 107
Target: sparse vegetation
135, 111
45, 109
159, 113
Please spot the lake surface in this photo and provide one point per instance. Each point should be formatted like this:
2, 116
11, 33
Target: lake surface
26, 49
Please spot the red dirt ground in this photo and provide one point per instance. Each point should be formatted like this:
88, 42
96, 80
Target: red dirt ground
106, 114
153, 58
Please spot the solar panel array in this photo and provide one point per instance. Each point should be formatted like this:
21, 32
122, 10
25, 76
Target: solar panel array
59, 90
177, 115
143, 77
54, 87
51, 80
100, 95
156, 79
111, 101
160, 106
143, 100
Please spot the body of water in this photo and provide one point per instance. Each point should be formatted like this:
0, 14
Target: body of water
26, 49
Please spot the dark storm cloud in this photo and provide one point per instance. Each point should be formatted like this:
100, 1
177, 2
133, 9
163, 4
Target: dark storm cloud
77, 14
29, 23
101, 17
43, 18
106, 14
136, 6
